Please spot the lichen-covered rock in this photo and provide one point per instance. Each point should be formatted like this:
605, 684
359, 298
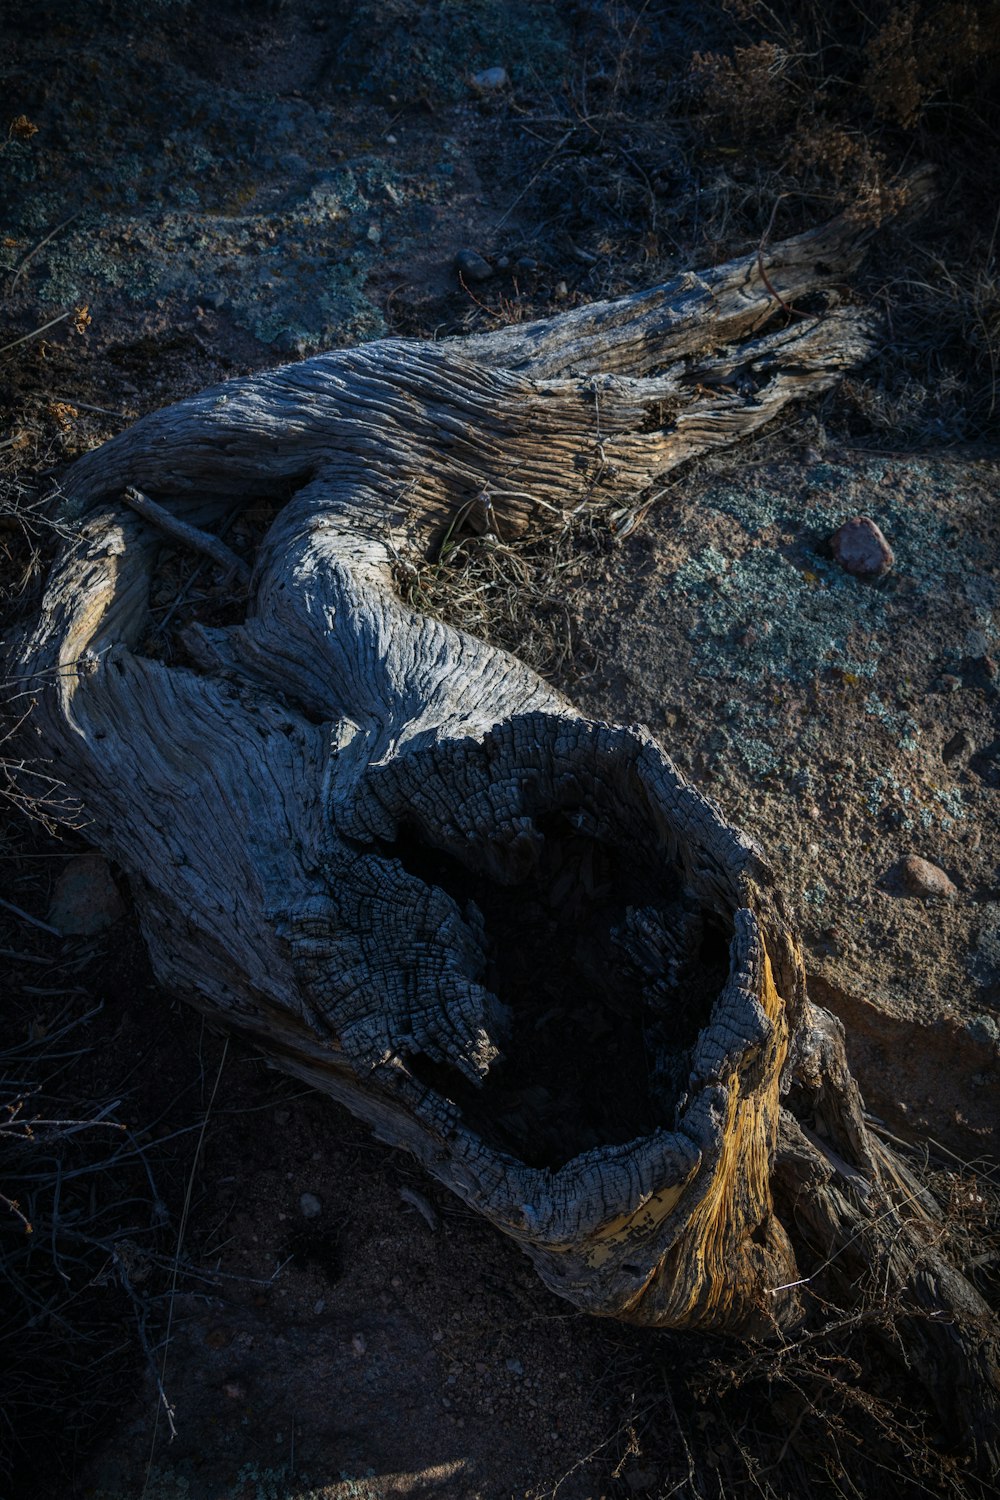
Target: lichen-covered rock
86, 899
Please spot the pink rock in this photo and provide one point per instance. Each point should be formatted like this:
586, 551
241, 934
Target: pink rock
921, 878
861, 549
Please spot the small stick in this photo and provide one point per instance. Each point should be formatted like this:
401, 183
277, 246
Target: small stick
27, 917
41, 246
790, 312
103, 410
532, 180
25, 958
188, 536
36, 331
470, 293
185, 592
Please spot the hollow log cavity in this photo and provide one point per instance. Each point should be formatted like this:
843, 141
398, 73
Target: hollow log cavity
513, 941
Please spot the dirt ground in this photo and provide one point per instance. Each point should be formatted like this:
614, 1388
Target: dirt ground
189, 195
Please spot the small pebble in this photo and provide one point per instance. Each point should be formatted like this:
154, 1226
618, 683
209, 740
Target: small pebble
515, 1367
310, 1205
861, 549
472, 267
561, 290
490, 79
319, 1305
526, 263
359, 1344
921, 878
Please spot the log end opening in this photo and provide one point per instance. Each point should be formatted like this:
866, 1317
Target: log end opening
606, 970
604, 906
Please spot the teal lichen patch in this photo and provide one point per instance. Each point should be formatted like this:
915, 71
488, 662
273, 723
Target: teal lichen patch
769, 604
760, 758
760, 617
701, 568
950, 800
913, 506
294, 278
231, 200
747, 739
908, 807
902, 726
756, 506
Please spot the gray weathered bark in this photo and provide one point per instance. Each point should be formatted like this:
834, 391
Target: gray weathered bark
511, 940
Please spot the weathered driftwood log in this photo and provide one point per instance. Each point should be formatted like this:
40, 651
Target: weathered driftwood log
512, 940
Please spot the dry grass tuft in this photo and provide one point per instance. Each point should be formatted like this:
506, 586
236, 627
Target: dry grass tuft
78, 1211
921, 50
752, 89
511, 593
